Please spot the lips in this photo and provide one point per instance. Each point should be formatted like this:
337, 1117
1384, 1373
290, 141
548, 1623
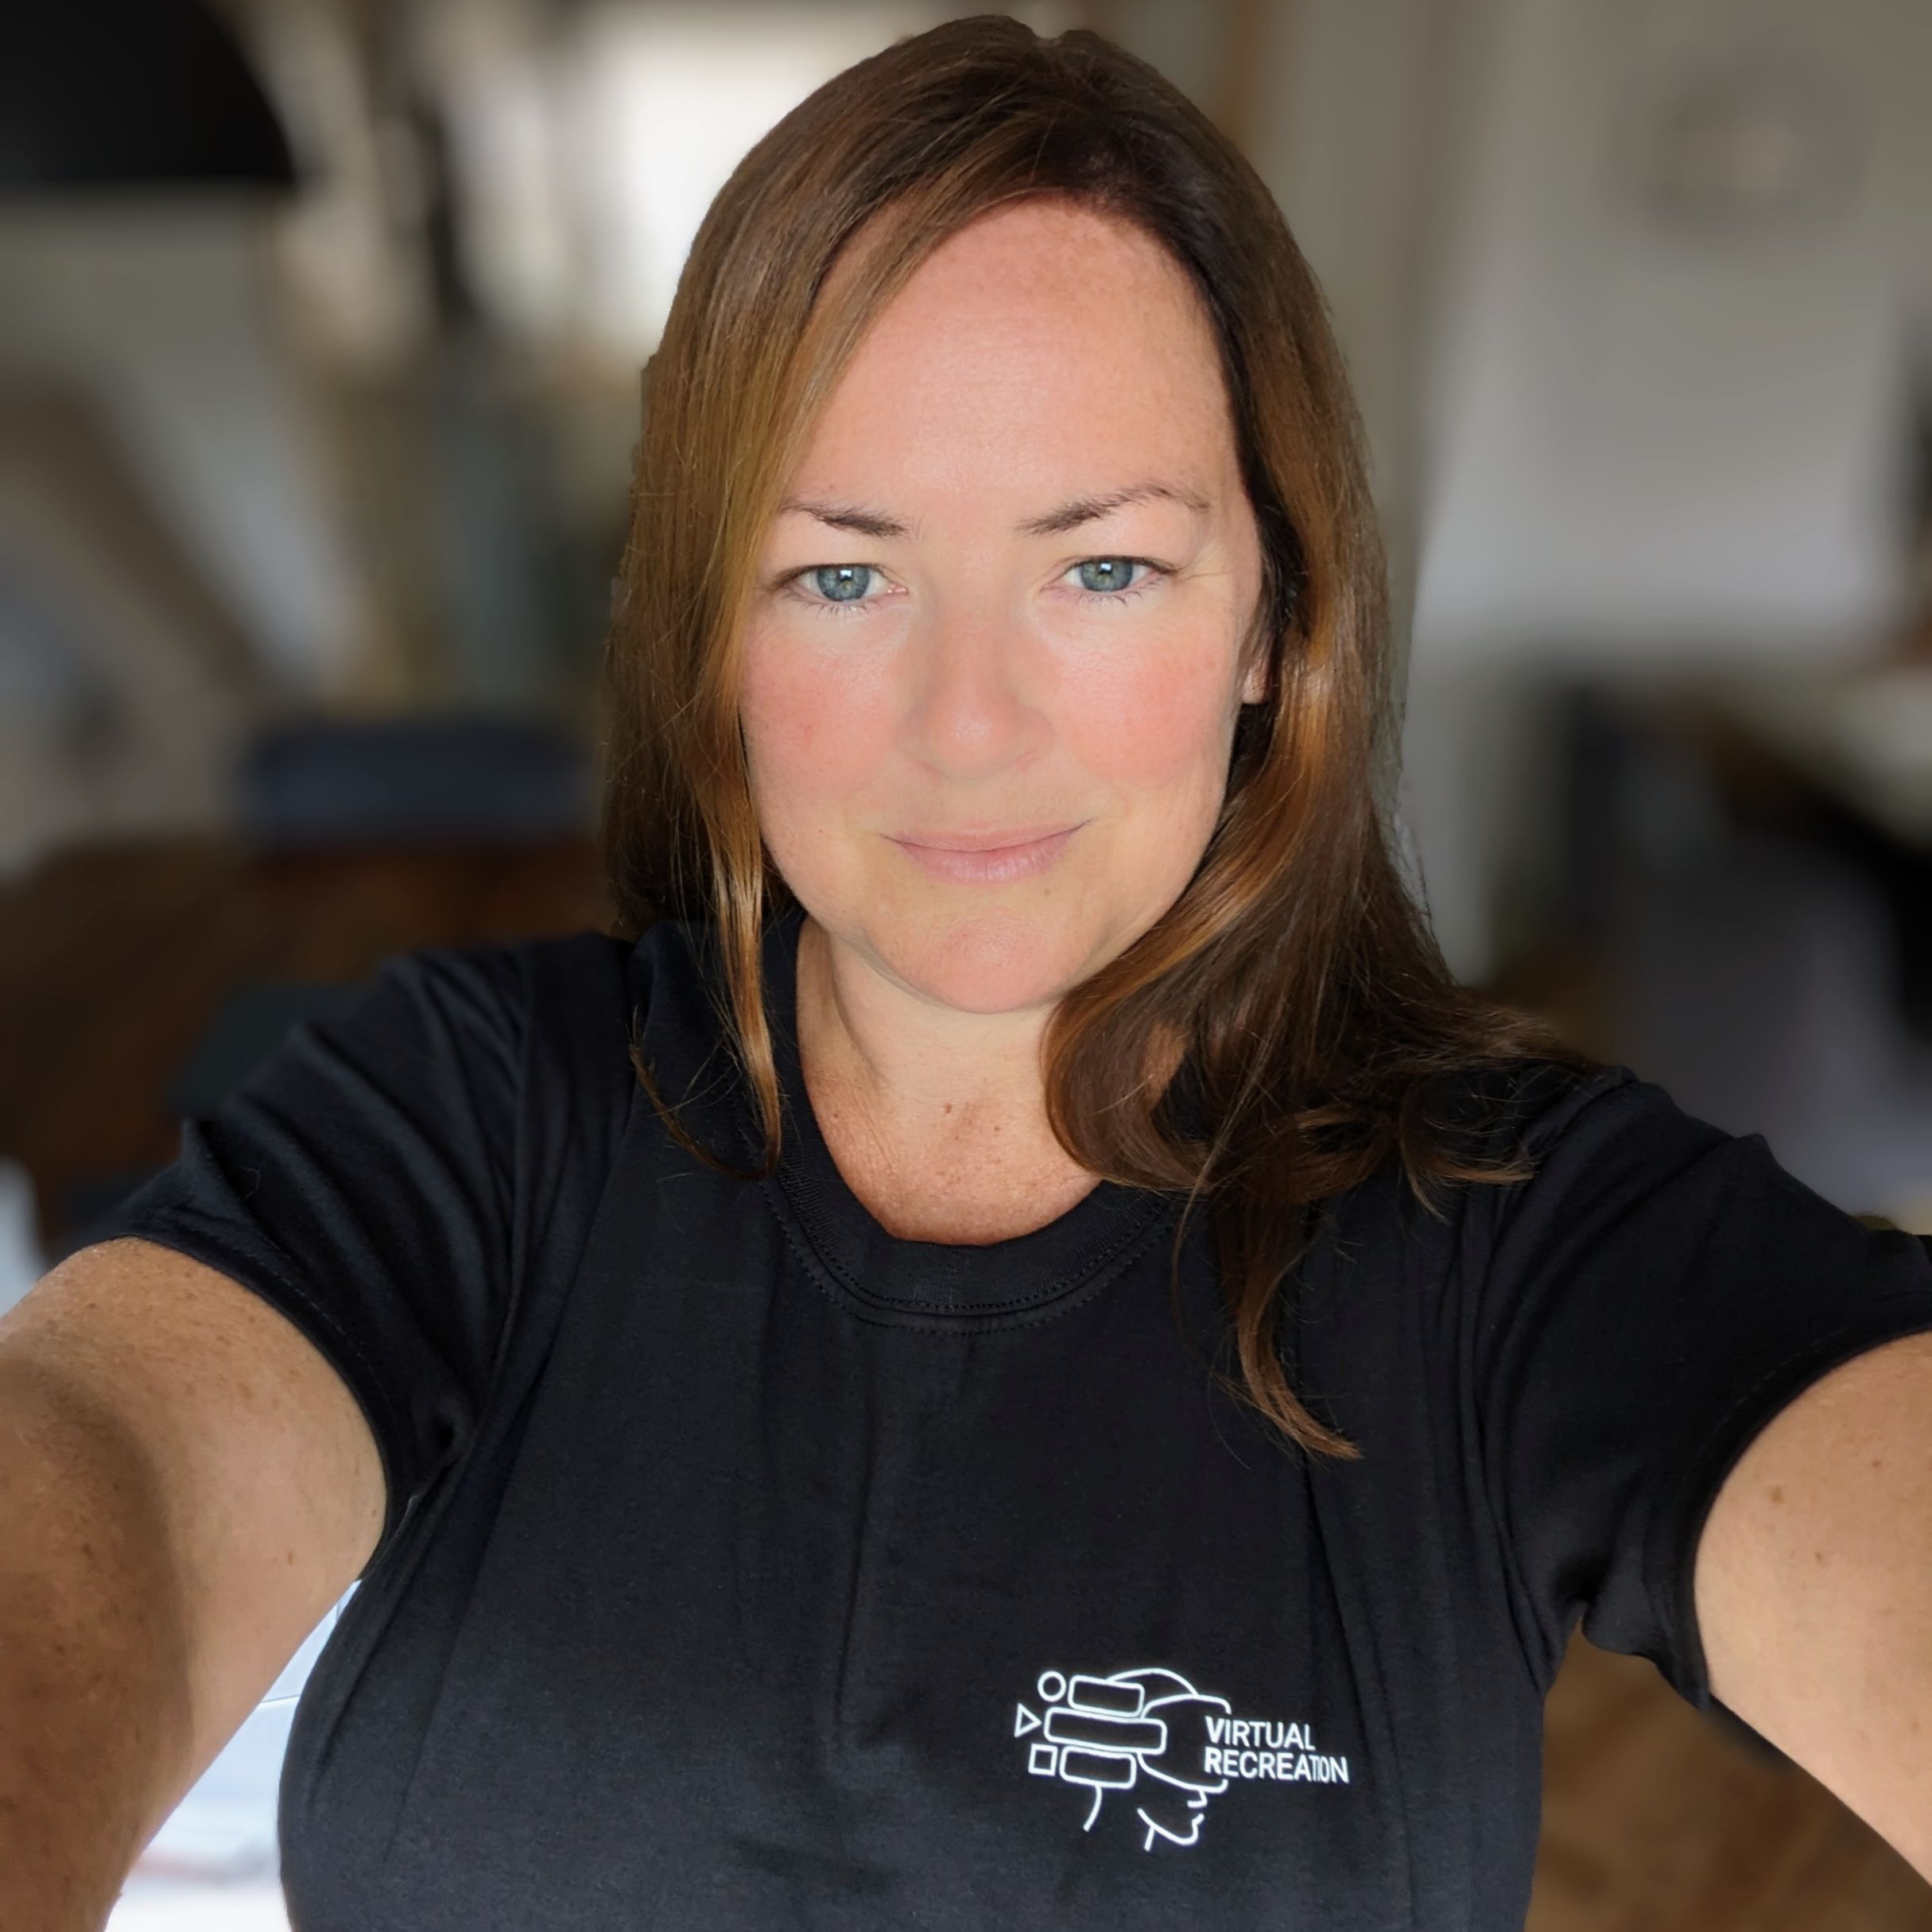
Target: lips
981, 841
988, 864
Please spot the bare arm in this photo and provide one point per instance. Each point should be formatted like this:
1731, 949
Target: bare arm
94, 1722
187, 1486
1813, 1584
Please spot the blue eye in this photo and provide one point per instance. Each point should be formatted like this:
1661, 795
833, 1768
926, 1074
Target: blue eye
1106, 573
838, 589
841, 587
1105, 578
843, 582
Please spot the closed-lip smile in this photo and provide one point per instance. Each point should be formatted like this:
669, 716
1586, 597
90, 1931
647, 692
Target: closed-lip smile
981, 841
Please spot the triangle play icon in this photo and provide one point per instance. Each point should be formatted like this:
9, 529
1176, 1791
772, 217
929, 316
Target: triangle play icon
1023, 1720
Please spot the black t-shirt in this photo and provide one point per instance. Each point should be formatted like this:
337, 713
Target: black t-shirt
747, 1566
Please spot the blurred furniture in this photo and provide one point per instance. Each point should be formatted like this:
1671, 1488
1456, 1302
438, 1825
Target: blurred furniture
1843, 758
473, 791
1859, 734
1759, 986
116, 960
1840, 757
455, 779
1749, 857
250, 1023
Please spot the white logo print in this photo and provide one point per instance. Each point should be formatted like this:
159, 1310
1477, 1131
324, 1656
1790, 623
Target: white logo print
1111, 1733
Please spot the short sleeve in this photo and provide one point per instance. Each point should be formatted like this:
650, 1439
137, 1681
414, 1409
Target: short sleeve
361, 1179
1649, 1299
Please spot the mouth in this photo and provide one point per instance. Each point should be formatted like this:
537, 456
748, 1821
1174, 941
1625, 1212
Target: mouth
1009, 841
998, 858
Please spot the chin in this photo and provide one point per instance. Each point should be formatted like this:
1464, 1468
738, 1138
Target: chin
984, 959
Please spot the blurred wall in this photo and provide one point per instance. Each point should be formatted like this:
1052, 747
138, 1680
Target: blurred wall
1632, 297
1668, 372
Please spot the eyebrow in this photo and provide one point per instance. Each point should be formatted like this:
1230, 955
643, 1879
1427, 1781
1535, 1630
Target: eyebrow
1067, 516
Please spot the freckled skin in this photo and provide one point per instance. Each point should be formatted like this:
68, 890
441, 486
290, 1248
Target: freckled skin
1045, 353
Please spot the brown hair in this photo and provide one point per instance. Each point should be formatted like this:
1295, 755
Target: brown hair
1294, 982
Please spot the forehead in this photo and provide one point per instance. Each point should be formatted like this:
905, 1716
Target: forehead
1043, 334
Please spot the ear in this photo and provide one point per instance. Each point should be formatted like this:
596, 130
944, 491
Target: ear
1254, 688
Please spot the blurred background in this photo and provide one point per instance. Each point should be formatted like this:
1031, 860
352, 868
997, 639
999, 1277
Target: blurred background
320, 325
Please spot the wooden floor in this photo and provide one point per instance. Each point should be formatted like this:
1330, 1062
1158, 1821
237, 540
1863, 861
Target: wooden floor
1656, 1817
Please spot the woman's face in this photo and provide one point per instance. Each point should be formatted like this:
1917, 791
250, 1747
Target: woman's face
961, 628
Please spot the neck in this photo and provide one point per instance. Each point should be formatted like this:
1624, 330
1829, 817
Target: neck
935, 1146
922, 1071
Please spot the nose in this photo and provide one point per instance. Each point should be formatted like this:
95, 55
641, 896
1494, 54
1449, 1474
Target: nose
980, 692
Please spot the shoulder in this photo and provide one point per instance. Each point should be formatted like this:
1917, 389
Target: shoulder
513, 983
500, 1010
1517, 1110
1569, 1153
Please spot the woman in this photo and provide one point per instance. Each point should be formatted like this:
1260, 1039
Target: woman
1010, 1349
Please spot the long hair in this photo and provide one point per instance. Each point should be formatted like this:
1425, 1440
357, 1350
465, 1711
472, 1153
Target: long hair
1292, 997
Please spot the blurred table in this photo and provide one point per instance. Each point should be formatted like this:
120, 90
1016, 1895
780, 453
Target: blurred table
114, 959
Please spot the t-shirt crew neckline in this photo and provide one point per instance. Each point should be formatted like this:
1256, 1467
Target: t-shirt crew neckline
928, 1284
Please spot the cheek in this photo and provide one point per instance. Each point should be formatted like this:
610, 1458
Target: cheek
811, 733
1159, 726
